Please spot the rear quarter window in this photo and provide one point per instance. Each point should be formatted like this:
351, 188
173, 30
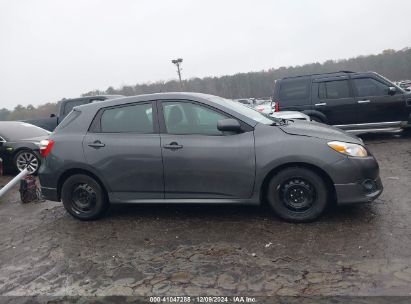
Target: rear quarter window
294, 89
72, 116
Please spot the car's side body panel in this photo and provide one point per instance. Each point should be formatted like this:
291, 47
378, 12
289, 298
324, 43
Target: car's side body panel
223, 169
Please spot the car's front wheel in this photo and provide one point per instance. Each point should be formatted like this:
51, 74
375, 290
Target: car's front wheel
83, 197
297, 194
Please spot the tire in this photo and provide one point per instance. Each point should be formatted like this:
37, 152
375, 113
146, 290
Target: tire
26, 159
83, 197
316, 118
304, 186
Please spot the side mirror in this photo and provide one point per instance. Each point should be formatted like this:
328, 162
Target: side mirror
392, 90
229, 125
52, 115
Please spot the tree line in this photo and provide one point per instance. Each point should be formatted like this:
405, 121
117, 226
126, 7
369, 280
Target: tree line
395, 65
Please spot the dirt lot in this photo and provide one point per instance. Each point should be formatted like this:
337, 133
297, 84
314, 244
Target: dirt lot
215, 250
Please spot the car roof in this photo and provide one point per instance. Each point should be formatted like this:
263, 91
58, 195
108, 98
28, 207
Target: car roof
319, 74
92, 97
13, 130
206, 99
147, 97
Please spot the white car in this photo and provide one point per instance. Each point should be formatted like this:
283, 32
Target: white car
269, 108
266, 108
291, 115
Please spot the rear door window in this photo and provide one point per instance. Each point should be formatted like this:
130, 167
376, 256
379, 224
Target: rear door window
136, 118
334, 89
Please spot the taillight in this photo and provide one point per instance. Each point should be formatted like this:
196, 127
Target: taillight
45, 147
275, 106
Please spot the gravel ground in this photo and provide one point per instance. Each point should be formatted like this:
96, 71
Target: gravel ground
359, 250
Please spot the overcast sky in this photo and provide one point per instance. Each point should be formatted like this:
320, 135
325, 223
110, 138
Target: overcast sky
50, 49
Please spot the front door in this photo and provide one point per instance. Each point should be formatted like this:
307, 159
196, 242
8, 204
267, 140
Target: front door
123, 146
199, 160
376, 102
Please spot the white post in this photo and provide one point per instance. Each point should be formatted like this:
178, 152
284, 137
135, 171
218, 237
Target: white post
13, 182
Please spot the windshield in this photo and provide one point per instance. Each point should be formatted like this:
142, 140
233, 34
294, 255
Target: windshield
391, 82
246, 111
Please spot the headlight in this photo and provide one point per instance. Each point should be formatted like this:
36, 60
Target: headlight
348, 148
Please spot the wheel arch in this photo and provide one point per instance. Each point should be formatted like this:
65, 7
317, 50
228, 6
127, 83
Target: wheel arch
326, 177
317, 114
70, 172
20, 149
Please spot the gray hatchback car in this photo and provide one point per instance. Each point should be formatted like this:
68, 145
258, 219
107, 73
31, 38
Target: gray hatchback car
197, 148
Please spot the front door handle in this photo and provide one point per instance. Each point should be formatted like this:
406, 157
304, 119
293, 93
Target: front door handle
173, 146
96, 144
364, 101
320, 104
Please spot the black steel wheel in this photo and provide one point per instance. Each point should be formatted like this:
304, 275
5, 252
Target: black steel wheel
83, 197
297, 194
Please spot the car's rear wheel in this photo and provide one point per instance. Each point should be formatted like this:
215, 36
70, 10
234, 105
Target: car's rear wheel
27, 159
83, 197
297, 194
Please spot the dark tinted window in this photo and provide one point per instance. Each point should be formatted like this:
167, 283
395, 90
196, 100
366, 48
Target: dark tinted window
334, 89
188, 118
370, 87
69, 105
291, 89
136, 118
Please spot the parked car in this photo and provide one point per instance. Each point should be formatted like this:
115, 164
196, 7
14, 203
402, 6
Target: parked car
249, 102
347, 100
65, 107
19, 145
198, 148
405, 84
268, 107
265, 107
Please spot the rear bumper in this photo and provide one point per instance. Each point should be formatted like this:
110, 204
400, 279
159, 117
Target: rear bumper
50, 194
362, 192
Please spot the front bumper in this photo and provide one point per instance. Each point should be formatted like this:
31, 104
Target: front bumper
356, 179
361, 192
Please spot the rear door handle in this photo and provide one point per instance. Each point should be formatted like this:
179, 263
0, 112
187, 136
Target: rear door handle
364, 101
173, 146
96, 144
320, 104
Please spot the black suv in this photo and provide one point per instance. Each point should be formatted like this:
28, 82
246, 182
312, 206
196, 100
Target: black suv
348, 100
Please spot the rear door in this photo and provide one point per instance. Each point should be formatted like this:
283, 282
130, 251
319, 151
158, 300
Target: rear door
123, 145
376, 104
334, 98
199, 160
